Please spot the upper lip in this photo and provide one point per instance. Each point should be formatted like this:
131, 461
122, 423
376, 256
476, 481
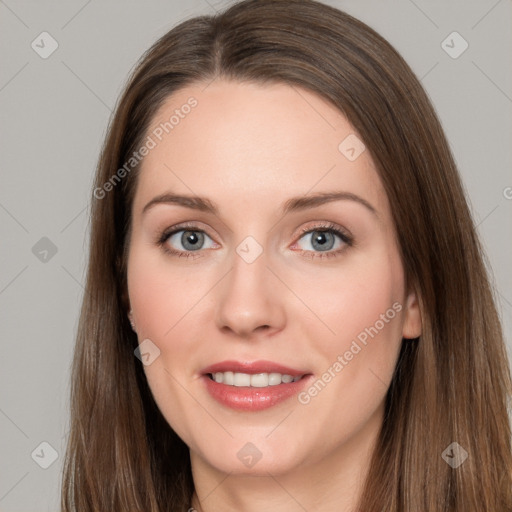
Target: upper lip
252, 367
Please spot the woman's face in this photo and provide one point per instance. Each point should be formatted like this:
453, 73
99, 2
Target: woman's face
263, 249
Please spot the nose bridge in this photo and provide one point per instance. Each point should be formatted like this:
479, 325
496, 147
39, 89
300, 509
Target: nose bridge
248, 300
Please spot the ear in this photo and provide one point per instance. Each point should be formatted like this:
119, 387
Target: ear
412, 317
130, 317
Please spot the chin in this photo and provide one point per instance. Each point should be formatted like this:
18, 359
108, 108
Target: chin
258, 457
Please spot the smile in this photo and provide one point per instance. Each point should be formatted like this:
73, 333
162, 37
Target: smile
253, 386
256, 380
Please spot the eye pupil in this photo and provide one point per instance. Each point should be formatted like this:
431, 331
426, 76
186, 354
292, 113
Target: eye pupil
192, 240
323, 240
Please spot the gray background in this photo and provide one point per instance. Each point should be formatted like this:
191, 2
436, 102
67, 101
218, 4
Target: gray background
54, 113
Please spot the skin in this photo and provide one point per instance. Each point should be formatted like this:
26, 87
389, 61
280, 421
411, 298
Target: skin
249, 148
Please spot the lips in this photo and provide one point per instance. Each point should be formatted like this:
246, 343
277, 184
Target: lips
253, 386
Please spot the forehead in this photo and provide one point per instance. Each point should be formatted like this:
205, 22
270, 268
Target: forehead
247, 143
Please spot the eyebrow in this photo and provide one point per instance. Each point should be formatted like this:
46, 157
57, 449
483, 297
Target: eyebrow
291, 205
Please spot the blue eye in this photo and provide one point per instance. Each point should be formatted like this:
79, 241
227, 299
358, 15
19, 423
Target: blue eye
320, 240
324, 239
189, 239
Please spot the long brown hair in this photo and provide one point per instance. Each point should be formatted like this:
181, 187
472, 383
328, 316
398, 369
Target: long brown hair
452, 384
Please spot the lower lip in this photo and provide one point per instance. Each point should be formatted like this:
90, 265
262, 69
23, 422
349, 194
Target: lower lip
246, 398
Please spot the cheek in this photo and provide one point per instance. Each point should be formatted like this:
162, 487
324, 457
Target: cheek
164, 302
160, 295
354, 299
361, 307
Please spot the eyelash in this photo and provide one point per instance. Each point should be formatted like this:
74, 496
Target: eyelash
326, 227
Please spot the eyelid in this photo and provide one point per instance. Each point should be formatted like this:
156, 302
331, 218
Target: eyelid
184, 226
163, 238
324, 226
342, 233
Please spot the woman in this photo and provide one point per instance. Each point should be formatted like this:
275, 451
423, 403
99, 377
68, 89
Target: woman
287, 306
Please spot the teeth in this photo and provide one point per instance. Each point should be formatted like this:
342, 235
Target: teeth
256, 380
242, 379
274, 379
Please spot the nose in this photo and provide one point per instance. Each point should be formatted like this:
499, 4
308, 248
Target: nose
250, 299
